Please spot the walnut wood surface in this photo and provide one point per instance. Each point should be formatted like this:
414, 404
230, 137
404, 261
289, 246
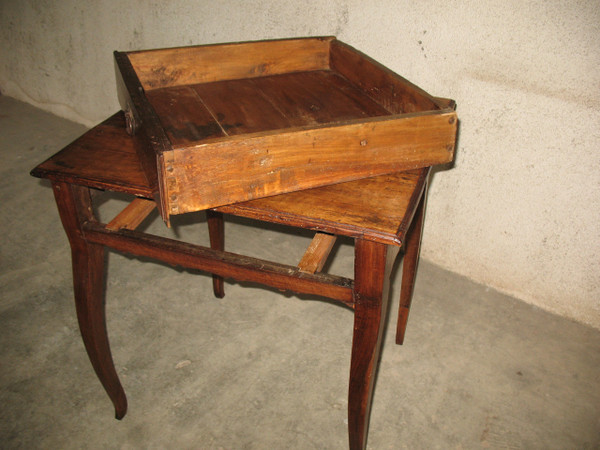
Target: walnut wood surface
105, 158
171, 67
153, 140
409, 267
377, 208
195, 113
319, 97
224, 264
389, 89
234, 122
75, 208
216, 234
245, 168
133, 215
376, 211
372, 268
252, 110
183, 115
260, 104
317, 252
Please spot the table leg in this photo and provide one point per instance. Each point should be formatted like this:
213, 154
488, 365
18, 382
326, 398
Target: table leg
75, 208
216, 234
409, 268
372, 267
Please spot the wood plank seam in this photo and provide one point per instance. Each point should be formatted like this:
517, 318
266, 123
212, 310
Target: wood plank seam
211, 112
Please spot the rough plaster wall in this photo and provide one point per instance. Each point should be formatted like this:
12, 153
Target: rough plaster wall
519, 210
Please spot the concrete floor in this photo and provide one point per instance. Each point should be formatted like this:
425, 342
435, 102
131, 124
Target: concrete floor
261, 369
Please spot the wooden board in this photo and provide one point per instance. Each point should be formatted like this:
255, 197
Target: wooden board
206, 63
316, 254
378, 209
373, 208
105, 157
234, 122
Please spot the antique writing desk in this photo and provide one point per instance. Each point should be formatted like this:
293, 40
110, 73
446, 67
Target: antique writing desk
381, 213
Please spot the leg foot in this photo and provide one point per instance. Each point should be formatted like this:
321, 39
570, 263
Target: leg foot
88, 280
74, 206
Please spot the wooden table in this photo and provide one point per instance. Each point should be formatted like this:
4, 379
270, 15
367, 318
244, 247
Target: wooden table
381, 213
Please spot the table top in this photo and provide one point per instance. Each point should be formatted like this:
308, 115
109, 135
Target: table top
378, 208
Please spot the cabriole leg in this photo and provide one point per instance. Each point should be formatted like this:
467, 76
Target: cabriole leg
74, 206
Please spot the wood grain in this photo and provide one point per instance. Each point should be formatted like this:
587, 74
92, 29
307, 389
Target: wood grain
240, 107
153, 138
377, 211
317, 252
207, 63
224, 264
105, 157
319, 97
183, 115
389, 89
409, 267
75, 209
195, 113
372, 267
133, 215
378, 208
216, 235
259, 165
229, 123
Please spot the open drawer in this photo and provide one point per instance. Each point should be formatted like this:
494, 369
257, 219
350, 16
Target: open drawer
228, 123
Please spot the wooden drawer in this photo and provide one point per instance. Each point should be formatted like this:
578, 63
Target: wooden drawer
233, 122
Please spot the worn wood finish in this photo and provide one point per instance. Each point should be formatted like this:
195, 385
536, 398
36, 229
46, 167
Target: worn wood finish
140, 114
382, 213
389, 89
183, 115
251, 112
372, 267
317, 252
193, 113
378, 208
104, 157
224, 264
234, 122
133, 215
409, 267
75, 208
171, 67
245, 168
320, 97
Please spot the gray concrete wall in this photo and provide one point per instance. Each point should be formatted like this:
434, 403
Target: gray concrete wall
520, 209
